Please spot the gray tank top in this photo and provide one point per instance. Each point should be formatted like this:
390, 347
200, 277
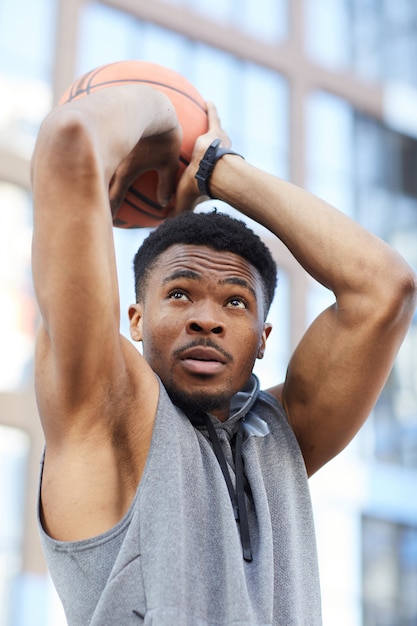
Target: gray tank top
175, 559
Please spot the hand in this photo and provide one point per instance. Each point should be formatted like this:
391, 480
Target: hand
188, 194
156, 152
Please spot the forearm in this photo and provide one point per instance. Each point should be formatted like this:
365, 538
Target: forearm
334, 249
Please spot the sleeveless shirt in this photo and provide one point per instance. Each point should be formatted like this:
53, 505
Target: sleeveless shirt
175, 559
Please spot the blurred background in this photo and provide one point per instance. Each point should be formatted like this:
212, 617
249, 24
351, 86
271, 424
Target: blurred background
319, 92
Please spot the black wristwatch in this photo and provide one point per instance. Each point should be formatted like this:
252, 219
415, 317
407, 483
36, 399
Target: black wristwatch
213, 153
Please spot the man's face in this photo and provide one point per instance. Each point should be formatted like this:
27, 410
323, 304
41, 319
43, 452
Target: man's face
201, 325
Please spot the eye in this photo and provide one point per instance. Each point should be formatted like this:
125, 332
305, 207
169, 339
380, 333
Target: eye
237, 303
177, 294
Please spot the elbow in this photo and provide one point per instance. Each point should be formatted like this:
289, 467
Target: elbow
401, 296
65, 143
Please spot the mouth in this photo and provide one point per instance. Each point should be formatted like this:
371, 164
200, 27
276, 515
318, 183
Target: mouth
203, 360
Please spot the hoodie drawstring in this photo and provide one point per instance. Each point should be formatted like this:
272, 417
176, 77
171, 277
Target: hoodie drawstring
237, 496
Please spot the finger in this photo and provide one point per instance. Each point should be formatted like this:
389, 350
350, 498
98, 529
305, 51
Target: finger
215, 126
186, 196
213, 116
167, 182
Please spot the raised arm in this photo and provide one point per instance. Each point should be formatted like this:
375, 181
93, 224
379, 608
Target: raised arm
80, 147
89, 380
343, 361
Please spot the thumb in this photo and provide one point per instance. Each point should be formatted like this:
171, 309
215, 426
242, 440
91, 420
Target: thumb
187, 195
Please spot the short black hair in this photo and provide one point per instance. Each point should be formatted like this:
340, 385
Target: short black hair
215, 230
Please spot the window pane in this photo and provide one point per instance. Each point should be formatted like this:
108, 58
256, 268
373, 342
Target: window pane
218, 10
264, 19
265, 120
18, 310
14, 447
329, 150
374, 38
367, 31
217, 76
327, 24
25, 70
389, 573
108, 35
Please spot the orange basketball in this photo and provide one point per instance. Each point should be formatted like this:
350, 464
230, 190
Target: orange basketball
140, 207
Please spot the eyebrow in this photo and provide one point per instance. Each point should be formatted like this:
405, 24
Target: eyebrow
190, 274
182, 274
241, 282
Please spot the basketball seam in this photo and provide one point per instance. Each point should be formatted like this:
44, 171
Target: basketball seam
129, 81
139, 209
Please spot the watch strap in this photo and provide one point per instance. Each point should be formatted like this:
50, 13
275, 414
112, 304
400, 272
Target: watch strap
213, 153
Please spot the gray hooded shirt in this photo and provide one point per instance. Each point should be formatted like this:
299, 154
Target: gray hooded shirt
175, 559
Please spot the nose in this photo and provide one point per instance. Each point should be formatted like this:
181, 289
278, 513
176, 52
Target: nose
204, 320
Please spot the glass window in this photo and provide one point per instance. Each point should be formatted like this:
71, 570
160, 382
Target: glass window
389, 573
264, 19
329, 150
367, 31
375, 38
264, 127
17, 306
217, 76
327, 26
400, 40
108, 35
105, 35
25, 70
218, 10
14, 447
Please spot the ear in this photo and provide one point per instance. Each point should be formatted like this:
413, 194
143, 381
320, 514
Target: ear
135, 325
262, 345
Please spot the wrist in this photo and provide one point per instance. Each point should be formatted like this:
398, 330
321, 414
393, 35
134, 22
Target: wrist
207, 164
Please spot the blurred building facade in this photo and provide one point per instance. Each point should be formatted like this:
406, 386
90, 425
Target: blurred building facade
320, 92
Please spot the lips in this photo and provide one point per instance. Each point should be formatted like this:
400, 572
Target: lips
202, 353
202, 360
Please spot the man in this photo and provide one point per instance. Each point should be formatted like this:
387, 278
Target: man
172, 490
